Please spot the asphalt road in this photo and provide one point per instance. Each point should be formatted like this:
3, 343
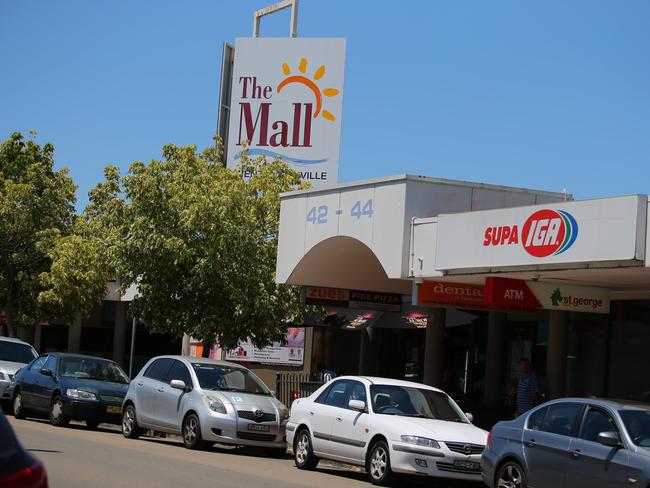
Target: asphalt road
78, 457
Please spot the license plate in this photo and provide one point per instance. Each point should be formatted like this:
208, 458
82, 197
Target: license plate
468, 465
259, 428
114, 409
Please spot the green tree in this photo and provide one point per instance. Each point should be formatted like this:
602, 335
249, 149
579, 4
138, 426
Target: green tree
200, 242
36, 210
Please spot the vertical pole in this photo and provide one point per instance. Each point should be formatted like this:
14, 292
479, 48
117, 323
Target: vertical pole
556, 353
434, 348
293, 28
495, 359
132, 348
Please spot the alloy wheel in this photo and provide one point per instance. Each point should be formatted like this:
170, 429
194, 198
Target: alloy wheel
57, 409
378, 463
302, 448
128, 421
190, 431
510, 477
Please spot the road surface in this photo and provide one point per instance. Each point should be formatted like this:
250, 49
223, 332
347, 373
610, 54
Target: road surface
78, 457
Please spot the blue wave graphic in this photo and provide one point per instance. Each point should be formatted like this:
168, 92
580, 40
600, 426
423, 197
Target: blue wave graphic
572, 228
288, 159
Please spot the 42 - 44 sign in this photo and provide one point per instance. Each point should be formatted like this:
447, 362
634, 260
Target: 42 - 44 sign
359, 210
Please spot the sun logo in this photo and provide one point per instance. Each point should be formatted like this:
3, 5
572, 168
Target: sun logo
318, 94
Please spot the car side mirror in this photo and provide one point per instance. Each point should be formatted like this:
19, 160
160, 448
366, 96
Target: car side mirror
358, 405
470, 417
178, 384
609, 439
47, 372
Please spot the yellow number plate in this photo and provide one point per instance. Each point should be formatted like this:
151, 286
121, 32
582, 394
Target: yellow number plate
114, 409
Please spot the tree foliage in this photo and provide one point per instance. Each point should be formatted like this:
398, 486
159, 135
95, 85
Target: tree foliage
36, 209
200, 242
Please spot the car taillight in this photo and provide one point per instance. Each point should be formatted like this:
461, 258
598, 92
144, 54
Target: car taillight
33, 476
489, 438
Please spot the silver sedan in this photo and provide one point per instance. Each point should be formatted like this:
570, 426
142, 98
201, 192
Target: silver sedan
576, 442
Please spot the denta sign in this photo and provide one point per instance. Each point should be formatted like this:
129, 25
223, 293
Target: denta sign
287, 102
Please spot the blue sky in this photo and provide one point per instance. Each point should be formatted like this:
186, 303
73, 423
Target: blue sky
552, 95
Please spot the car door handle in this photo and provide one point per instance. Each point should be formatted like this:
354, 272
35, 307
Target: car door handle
311, 413
338, 419
160, 390
531, 443
140, 383
576, 454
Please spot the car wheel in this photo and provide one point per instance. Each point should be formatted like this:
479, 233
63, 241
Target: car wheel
130, 428
511, 475
303, 453
378, 464
18, 409
192, 432
92, 424
57, 417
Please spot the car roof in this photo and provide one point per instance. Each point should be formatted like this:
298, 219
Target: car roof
74, 356
376, 380
198, 360
13, 339
616, 404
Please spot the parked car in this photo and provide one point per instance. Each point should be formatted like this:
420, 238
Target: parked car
18, 468
388, 426
205, 401
14, 355
574, 442
71, 387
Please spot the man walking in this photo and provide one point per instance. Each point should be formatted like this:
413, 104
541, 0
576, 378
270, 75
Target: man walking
527, 388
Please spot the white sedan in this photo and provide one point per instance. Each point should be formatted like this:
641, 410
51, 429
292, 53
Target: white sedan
404, 428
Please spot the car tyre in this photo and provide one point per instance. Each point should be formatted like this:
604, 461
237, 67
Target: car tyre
512, 475
130, 428
378, 464
192, 433
17, 405
57, 417
303, 453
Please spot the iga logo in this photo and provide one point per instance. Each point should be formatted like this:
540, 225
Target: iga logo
549, 232
545, 233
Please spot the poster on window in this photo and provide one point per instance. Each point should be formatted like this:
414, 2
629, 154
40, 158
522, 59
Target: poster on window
288, 352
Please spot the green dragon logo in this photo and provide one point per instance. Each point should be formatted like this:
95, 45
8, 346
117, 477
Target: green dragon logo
556, 297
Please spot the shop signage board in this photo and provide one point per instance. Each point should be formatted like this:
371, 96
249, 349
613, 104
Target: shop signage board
371, 300
589, 231
286, 101
289, 352
509, 294
451, 294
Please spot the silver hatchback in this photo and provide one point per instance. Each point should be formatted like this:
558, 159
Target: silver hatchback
573, 442
204, 401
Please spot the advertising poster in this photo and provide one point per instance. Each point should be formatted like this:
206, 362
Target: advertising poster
289, 352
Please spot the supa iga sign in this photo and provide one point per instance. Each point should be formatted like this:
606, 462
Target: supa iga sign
286, 101
608, 229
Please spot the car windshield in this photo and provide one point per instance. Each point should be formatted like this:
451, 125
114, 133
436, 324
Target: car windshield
92, 369
228, 378
637, 423
16, 352
409, 401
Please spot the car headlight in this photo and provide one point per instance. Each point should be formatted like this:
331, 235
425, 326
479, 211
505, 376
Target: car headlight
284, 412
215, 404
420, 441
81, 394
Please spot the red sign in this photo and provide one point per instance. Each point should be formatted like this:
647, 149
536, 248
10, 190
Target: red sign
458, 294
510, 294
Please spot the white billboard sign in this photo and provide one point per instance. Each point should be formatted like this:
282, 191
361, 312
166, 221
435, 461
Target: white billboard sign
287, 101
589, 231
289, 352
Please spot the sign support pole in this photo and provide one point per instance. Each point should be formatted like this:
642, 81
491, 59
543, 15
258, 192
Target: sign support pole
276, 7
